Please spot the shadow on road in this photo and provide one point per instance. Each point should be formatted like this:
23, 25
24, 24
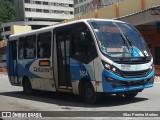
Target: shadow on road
65, 99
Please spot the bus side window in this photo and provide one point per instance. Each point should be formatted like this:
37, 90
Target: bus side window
44, 45
21, 50
90, 48
83, 43
30, 47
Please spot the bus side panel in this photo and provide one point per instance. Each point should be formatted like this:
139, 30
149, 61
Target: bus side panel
8, 60
81, 71
98, 74
40, 76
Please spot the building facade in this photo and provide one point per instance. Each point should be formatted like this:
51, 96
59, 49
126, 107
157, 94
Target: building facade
84, 6
44, 10
37, 14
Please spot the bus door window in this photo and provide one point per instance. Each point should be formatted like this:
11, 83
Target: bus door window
63, 44
44, 45
13, 65
21, 48
30, 47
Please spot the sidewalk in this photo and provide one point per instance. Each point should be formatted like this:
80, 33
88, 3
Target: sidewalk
157, 79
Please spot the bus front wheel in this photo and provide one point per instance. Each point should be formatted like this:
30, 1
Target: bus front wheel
27, 87
131, 95
89, 94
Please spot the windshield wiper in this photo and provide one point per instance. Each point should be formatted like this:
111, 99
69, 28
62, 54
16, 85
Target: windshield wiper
131, 44
125, 40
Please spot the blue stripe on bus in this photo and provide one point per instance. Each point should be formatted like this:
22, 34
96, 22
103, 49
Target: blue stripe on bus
29, 64
22, 71
107, 87
78, 70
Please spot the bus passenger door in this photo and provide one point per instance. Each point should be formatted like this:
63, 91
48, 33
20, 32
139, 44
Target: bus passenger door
43, 68
63, 54
12, 66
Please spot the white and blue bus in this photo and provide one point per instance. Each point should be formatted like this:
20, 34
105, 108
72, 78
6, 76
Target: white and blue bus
84, 57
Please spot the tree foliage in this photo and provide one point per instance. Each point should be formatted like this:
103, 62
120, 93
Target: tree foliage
7, 11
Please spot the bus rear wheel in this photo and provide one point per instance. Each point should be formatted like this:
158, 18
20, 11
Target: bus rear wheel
27, 87
89, 94
130, 95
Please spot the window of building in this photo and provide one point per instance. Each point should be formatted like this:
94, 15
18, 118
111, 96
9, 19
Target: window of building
70, 5
71, 12
66, 12
81, 9
75, 2
80, 1
55, 4
30, 47
45, 3
38, 2
7, 28
60, 4
66, 5
46, 11
76, 10
28, 9
33, 10
27, 1
38, 10
32, 2
51, 11
44, 45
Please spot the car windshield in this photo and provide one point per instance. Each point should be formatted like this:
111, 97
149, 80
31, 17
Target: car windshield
120, 40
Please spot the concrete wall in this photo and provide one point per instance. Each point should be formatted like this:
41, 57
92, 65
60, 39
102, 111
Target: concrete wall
120, 9
107, 12
129, 6
149, 3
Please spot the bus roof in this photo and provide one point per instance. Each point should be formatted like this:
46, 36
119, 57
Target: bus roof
48, 28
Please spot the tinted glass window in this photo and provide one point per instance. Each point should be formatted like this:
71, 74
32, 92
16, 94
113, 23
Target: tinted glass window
44, 45
30, 47
21, 48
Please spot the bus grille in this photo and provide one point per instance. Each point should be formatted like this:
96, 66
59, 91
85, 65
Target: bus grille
134, 83
131, 74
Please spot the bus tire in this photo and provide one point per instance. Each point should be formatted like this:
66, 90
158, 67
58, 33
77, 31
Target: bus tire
130, 95
89, 94
27, 87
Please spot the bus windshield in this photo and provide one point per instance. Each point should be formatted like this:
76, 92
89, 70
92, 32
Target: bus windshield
119, 40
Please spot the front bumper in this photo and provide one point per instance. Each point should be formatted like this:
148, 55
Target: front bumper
113, 83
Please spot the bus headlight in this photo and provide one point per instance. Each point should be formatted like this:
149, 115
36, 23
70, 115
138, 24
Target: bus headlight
111, 68
151, 67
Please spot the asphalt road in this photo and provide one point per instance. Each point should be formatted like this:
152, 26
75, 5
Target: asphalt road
13, 99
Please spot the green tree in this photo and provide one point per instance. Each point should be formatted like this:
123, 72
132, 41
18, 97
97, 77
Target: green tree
7, 11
